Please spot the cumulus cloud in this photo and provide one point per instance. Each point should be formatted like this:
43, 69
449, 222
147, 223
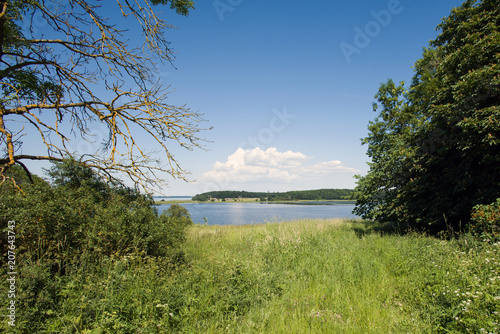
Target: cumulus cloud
270, 166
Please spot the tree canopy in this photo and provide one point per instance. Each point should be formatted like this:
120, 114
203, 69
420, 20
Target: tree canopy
66, 68
434, 146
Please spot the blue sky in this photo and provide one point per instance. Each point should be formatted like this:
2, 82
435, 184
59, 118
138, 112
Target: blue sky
243, 63
288, 86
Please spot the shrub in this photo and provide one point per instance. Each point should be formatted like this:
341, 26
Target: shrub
486, 221
74, 225
81, 214
180, 214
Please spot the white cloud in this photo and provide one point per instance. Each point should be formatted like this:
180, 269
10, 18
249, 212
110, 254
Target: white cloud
329, 167
269, 166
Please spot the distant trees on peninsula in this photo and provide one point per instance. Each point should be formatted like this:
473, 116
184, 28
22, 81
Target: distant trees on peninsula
319, 194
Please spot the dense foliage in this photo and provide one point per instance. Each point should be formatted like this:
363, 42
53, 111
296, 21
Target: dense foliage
486, 221
66, 231
434, 147
319, 194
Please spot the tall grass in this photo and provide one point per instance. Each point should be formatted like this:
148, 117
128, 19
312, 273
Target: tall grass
309, 276
305, 276
333, 276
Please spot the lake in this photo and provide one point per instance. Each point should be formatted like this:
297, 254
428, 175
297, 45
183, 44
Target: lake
256, 213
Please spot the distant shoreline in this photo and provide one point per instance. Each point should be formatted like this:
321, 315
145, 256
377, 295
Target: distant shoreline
253, 200
174, 201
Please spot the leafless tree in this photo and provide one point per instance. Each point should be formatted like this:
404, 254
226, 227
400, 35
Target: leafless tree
65, 68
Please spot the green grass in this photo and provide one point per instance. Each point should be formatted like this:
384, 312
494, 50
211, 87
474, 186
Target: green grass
333, 276
306, 276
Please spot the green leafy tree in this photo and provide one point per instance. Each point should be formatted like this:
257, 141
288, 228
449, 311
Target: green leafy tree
180, 214
68, 229
65, 67
80, 213
434, 148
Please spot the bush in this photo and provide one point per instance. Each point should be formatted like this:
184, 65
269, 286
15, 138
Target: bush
63, 221
179, 214
74, 225
486, 221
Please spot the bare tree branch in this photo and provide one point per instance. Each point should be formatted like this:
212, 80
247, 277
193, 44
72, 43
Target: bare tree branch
82, 71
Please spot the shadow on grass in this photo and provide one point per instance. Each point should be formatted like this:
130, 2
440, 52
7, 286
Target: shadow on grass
364, 227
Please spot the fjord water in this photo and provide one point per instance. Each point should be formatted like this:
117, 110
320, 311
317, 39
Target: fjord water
231, 213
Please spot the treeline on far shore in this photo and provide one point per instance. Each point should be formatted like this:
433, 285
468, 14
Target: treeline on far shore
314, 195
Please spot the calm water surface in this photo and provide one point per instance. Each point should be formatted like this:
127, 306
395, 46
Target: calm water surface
256, 213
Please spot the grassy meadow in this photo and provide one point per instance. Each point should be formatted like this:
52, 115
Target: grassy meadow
306, 276
335, 276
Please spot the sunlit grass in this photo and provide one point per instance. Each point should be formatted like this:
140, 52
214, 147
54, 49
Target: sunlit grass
304, 276
338, 276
